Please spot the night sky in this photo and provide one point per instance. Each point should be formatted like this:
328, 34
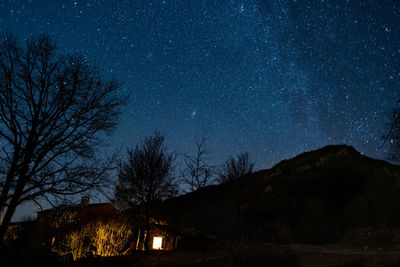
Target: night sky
274, 78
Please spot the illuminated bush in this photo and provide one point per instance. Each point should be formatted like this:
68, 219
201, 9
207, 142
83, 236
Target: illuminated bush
111, 239
96, 239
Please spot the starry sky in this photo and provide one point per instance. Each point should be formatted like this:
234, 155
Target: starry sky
274, 78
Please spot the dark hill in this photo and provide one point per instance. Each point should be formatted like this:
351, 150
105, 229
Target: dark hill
316, 197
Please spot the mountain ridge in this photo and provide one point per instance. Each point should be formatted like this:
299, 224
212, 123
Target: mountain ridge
315, 197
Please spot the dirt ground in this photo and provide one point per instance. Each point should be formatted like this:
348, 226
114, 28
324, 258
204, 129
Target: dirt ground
251, 255
257, 255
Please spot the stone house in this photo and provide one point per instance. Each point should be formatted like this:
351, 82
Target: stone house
52, 224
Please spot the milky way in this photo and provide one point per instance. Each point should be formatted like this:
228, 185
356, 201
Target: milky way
274, 78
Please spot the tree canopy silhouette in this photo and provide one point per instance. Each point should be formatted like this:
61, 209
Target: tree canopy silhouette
392, 136
52, 109
197, 173
146, 177
233, 168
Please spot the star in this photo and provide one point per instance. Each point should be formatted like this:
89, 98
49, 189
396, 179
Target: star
274, 78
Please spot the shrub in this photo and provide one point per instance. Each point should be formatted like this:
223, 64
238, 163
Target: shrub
96, 239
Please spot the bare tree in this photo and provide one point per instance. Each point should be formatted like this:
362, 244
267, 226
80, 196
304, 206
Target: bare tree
234, 168
392, 138
146, 177
52, 108
197, 173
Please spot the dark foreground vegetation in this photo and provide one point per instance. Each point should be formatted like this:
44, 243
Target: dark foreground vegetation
260, 255
250, 255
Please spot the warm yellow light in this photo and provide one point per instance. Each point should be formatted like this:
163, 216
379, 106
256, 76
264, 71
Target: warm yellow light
157, 242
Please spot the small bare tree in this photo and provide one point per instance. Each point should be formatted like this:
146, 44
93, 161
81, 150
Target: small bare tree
234, 168
197, 173
146, 177
52, 108
392, 137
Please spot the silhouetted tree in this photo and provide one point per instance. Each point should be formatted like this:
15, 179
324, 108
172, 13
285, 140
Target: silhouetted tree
197, 173
146, 177
52, 108
234, 168
392, 137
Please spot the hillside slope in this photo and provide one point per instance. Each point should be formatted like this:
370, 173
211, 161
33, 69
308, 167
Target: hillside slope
315, 197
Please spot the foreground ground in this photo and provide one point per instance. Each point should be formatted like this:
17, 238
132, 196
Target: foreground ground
252, 255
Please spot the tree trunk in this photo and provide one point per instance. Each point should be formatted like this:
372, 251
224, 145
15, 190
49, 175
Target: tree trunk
8, 215
6, 187
4, 194
147, 236
138, 240
12, 206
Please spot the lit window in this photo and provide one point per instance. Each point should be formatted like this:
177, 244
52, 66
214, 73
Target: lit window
157, 242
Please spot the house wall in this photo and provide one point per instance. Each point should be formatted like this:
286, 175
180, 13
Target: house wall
52, 224
170, 240
57, 223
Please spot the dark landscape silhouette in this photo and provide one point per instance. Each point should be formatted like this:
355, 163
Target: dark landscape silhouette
199, 133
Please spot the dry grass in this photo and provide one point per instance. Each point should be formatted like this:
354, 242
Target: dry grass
256, 255
251, 255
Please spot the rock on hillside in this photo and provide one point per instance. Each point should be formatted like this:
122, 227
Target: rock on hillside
315, 197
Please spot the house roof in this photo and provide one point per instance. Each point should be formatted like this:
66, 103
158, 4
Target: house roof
88, 213
74, 207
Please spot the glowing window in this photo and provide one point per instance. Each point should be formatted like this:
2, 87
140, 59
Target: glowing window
157, 242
